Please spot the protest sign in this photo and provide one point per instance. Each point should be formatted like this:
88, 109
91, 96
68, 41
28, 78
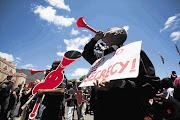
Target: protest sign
120, 64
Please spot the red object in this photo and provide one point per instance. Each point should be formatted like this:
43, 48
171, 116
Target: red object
34, 112
168, 111
35, 71
79, 95
54, 78
177, 81
31, 84
81, 23
147, 118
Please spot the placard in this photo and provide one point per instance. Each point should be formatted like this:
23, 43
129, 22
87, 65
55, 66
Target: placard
120, 64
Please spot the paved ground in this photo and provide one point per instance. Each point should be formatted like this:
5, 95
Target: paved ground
87, 117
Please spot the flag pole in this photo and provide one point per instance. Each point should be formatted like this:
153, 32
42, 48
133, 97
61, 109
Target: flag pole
177, 48
163, 64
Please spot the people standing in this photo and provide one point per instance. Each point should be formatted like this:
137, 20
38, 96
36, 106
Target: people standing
5, 88
24, 98
14, 99
70, 102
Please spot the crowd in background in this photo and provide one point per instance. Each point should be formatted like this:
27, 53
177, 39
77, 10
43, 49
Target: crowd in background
164, 106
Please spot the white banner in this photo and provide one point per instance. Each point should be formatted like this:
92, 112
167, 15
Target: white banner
120, 64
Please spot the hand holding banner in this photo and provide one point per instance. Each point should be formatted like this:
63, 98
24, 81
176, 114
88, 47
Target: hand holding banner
120, 64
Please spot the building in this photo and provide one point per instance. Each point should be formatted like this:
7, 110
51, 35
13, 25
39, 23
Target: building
7, 68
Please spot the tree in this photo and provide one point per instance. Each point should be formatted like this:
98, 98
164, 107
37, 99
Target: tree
82, 77
72, 80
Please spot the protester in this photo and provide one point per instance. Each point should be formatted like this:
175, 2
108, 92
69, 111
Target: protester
14, 99
70, 102
5, 88
32, 103
24, 98
162, 106
54, 99
173, 76
123, 98
81, 108
176, 99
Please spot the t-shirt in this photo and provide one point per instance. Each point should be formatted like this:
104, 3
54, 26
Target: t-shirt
56, 99
70, 102
4, 93
17, 90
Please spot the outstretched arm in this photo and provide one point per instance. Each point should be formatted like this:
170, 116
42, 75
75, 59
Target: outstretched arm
51, 91
89, 54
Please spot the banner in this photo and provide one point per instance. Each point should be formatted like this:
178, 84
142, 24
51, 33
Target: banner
120, 64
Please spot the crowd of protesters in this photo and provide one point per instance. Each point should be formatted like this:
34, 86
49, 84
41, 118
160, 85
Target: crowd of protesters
143, 98
164, 105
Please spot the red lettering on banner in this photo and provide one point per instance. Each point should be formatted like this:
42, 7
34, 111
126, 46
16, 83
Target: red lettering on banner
111, 70
123, 66
92, 75
108, 71
119, 51
102, 74
133, 65
112, 73
96, 75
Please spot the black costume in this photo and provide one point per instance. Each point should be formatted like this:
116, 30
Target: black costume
54, 105
125, 97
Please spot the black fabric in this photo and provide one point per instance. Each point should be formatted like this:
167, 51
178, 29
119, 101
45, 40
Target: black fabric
52, 113
54, 99
4, 93
70, 102
125, 97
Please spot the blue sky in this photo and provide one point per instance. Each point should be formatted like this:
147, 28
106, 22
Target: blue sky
36, 32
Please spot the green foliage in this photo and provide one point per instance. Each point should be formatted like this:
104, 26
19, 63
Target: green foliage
82, 77
72, 80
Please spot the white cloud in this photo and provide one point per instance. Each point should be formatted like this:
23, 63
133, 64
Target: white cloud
8, 57
59, 4
80, 72
126, 28
85, 30
60, 53
176, 35
76, 43
49, 14
18, 58
74, 32
48, 66
27, 66
171, 22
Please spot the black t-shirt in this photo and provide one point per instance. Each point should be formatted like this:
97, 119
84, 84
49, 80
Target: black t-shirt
17, 90
4, 93
56, 99
70, 102
24, 97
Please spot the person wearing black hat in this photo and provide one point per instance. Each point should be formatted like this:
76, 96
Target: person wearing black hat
53, 99
121, 98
